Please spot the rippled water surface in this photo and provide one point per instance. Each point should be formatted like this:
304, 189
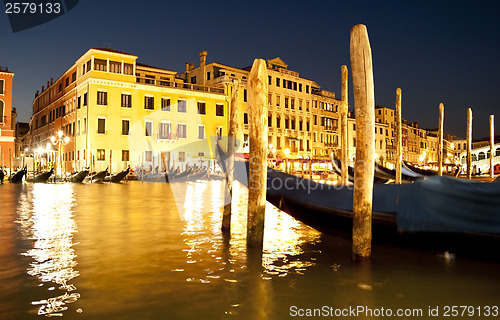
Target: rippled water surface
155, 251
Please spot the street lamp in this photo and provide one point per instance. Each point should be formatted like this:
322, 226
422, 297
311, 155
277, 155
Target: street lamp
59, 141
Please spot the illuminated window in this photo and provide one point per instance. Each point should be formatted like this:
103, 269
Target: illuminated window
101, 154
125, 155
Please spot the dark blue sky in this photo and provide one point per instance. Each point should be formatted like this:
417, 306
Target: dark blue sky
436, 51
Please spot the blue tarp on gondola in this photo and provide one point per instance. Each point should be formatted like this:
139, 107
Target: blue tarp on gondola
446, 204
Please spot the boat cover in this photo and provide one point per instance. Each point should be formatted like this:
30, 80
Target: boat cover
447, 204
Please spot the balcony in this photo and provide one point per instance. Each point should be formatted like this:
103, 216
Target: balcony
171, 84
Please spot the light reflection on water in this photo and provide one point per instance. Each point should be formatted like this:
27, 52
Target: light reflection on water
46, 217
155, 251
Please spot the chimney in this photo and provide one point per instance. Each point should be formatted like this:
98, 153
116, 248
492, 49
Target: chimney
203, 58
43, 88
48, 84
191, 66
51, 81
187, 66
36, 94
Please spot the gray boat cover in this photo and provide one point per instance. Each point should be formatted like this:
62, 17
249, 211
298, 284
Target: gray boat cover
447, 204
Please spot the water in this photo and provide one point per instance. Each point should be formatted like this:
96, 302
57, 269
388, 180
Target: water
155, 251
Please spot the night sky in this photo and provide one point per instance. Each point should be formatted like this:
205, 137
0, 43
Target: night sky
436, 51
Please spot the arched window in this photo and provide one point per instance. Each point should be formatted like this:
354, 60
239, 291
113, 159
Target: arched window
481, 156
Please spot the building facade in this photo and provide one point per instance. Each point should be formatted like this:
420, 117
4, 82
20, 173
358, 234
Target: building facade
302, 118
7, 148
119, 112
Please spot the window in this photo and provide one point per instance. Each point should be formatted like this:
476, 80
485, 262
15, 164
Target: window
245, 118
218, 133
269, 120
164, 130
278, 98
292, 103
115, 67
148, 156
165, 104
181, 131
244, 95
126, 100
315, 120
101, 154
278, 121
148, 125
269, 96
293, 124
73, 77
100, 65
354, 127
125, 155
125, 127
287, 123
201, 108
201, 132
84, 130
307, 89
286, 102
1, 111
181, 106
67, 82
219, 110
307, 126
149, 103
85, 99
102, 98
193, 80
101, 125
300, 87
128, 68
270, 80
79, 102
277, 82
208, 75
182, 156
2, 84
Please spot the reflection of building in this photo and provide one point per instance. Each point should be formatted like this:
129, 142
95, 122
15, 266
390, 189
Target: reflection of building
6, 121
302, 117
118, 111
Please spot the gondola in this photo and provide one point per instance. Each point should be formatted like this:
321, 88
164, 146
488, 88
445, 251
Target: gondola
117, 177
336, 164
436, 205
19, 176
197, 175
406, 175
42, 177
78, 177
99, 177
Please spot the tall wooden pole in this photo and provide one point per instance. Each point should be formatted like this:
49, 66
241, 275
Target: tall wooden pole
231, 139
257, 175
343, 127
440, 140
399, 137
469, 142
492, 145
364, 102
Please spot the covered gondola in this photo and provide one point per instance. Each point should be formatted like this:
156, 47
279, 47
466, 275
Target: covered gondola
19, 176
42, 177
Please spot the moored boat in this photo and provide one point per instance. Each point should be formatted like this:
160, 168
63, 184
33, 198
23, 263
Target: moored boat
78, 177
99, 177
117, 177
19, 176
42, 177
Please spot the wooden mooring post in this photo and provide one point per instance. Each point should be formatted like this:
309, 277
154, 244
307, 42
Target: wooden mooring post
343, 127
399, 137
440, 139
257, 175
364, 102
469, 142
492, 145
226, 218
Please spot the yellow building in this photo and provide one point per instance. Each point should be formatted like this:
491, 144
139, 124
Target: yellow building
302, 117
119, 112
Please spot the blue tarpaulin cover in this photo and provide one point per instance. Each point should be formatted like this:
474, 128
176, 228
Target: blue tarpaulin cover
446, 204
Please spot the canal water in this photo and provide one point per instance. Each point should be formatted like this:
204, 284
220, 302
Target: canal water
155, 251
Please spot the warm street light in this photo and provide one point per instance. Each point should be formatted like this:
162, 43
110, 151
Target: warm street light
59, 141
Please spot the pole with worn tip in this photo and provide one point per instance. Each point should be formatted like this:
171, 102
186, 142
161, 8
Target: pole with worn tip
399, 137
364, 102
440, 139
343, 127
492, 145
226, 218
469, 142
257, 175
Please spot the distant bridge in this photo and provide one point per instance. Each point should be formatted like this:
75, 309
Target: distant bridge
481, 157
